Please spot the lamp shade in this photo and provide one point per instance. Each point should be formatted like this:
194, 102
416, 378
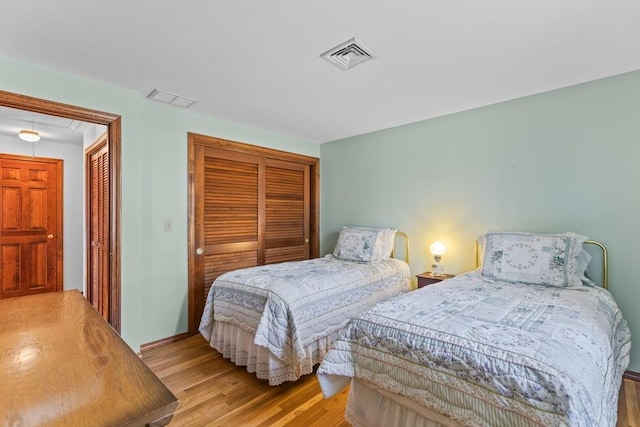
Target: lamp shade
29, 135
437, 248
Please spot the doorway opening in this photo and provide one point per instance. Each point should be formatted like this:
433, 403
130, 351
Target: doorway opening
113, 222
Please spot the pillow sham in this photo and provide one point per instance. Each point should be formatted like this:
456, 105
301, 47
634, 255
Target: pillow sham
541, 259
364, 244
583, 262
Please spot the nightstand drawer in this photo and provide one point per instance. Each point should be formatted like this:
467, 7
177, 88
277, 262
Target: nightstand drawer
425, 279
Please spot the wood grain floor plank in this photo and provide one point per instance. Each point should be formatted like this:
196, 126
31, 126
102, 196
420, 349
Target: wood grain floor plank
623, 418
631, 401
214, 392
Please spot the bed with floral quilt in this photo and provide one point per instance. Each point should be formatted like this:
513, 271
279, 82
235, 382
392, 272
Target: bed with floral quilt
279, 320
524, 340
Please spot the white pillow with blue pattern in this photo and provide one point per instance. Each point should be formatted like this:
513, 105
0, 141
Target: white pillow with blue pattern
365, 244
541, 259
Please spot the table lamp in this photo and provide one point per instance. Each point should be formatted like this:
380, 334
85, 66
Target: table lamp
437, 249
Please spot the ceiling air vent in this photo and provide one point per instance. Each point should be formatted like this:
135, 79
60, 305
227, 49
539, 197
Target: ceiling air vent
171, 98
348, 54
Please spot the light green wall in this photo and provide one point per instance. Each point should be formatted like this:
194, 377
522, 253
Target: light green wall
154, 188
566, 160
562, 160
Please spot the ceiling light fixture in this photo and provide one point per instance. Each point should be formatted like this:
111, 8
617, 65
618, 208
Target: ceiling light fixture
29, 135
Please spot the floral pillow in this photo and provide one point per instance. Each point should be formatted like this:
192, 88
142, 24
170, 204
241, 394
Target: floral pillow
364, 244
542, 259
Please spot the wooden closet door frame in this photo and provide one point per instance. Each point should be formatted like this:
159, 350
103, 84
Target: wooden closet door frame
113, 124
193, 140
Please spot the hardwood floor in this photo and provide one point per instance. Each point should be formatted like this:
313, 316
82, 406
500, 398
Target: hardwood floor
215, 392
629, 404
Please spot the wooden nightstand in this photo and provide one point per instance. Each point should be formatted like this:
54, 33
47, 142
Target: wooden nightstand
425, 279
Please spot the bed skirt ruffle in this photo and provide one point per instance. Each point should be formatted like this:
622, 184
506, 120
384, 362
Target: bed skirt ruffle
371, 406
236, 344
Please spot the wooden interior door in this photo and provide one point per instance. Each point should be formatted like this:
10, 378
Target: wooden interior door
228, 213
248, 206
287, 211
98, 197
30, 225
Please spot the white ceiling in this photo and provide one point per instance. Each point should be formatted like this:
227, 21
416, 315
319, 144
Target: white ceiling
50, 128
258, 62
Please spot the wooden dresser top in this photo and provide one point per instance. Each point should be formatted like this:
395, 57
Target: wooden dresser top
62, 364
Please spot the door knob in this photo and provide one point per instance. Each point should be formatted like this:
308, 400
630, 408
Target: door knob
50, 236
199, 251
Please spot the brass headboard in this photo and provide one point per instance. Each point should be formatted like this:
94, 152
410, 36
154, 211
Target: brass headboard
605, 260
405, 238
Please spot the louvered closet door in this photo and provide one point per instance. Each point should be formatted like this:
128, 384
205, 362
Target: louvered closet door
248, 206
231, 204
98, 228
286, 211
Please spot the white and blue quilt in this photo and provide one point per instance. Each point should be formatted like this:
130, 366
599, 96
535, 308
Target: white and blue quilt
484, 352
288, 306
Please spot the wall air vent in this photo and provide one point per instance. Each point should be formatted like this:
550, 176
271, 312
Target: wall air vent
348, 54
171, 98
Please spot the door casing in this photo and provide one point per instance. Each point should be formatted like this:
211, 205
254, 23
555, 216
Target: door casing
114, 131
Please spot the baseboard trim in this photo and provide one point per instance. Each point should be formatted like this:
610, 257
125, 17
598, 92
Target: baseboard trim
630, 375
164, 341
